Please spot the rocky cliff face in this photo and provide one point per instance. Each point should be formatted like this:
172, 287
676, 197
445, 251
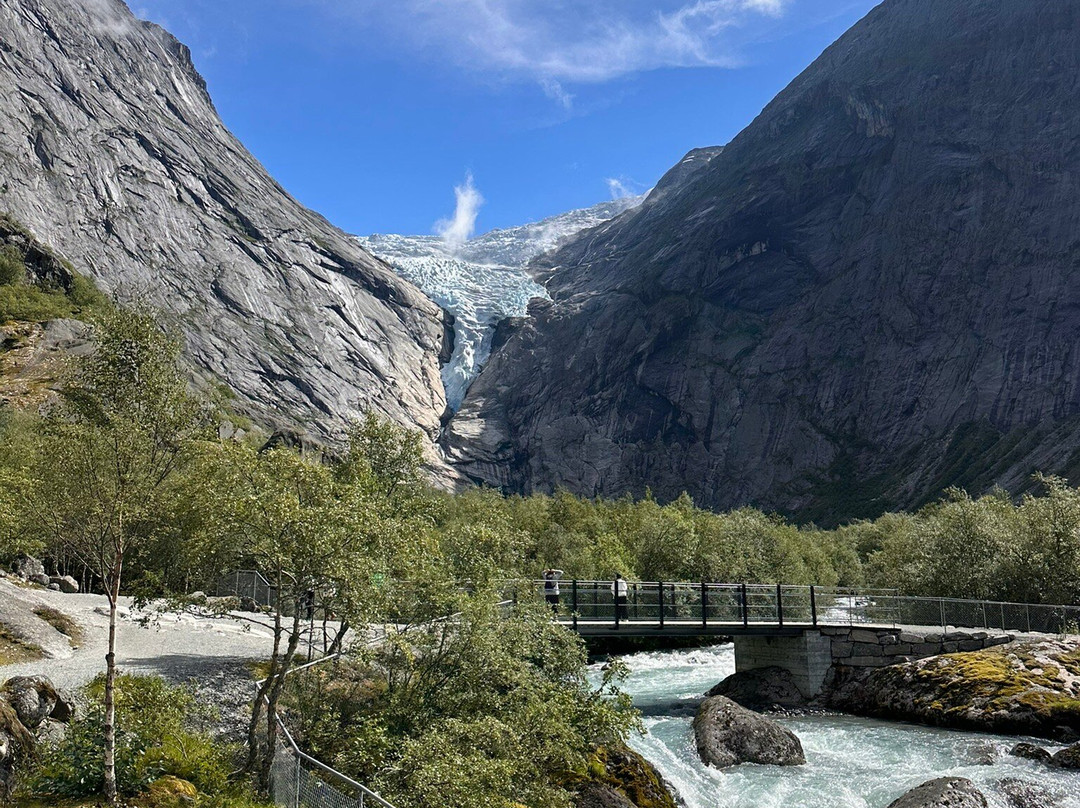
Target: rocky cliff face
111, 151
870, 294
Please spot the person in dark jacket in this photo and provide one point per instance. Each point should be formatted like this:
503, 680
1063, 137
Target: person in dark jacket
551, 588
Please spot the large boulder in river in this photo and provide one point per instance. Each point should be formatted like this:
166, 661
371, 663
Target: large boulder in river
761, 689
1030, 751
1024, 688
728, 734
945, 792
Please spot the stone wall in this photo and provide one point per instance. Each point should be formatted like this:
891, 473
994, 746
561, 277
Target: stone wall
811, 656
875, 648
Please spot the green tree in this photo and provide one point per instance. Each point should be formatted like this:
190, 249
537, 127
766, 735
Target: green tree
108, 453
329, 536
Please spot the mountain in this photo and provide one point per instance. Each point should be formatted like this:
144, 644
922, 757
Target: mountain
111, 151
871, 293
483, 281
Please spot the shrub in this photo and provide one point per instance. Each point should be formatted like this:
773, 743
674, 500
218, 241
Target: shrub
155, 738
12, 266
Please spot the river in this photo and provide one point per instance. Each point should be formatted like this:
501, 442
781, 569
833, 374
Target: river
851, 762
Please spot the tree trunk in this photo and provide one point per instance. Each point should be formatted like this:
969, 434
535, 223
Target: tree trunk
261, 693
270, 749
110, 791
339, 638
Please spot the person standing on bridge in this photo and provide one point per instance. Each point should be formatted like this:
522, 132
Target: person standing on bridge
551, 588
618, 591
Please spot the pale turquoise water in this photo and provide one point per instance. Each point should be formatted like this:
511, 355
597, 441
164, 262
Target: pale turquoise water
851, 762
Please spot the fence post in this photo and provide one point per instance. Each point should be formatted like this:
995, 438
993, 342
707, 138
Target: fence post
1027, 609
660, 600
704, 604
573, 602
941, 603
813, 605
297, 803
779, 605
745, 608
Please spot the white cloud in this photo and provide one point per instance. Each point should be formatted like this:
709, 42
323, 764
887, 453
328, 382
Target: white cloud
457, 230
556, 92
620, 189
559, 42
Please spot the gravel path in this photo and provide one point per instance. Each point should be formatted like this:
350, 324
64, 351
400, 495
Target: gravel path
177, 647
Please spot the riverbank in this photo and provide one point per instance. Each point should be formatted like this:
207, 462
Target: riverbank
852, 762
1030, 687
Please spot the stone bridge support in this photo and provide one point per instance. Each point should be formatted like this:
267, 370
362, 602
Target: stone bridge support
811, 655
808, 656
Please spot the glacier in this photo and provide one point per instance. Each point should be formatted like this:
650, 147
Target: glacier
484, 280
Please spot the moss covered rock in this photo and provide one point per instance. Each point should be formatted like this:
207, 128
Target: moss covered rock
618, 777
1030, 687
168, 792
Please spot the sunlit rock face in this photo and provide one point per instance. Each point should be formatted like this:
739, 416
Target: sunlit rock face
868, 295
112, 152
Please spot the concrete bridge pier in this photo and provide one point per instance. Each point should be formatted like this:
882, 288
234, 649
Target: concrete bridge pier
808, 656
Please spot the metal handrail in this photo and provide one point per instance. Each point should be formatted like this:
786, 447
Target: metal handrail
671, 605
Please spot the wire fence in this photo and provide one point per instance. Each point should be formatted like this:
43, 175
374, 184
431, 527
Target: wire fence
298, 780
247, 584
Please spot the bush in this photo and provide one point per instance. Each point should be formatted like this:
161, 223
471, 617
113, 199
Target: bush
155, 738
12, 266
25, 302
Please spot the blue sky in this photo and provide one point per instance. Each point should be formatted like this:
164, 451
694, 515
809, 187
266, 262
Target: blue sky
372, 111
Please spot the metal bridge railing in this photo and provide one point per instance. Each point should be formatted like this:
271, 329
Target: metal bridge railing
664, 604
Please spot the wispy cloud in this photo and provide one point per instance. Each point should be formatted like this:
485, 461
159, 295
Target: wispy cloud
622, 188
456, 230
565, 42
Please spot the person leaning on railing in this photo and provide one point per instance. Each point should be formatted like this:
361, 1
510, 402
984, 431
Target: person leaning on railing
551, 588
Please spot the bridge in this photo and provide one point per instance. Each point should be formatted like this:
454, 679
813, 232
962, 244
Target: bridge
807, 630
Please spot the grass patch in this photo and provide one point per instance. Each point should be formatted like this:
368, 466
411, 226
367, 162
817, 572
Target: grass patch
14, 649
62, 623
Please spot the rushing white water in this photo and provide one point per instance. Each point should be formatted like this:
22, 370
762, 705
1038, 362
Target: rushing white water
851, 762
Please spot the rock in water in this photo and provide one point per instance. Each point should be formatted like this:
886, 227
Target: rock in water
945, 792
761, 689
111, 151
872, 282
1030, 751
1067, 758
728, 734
